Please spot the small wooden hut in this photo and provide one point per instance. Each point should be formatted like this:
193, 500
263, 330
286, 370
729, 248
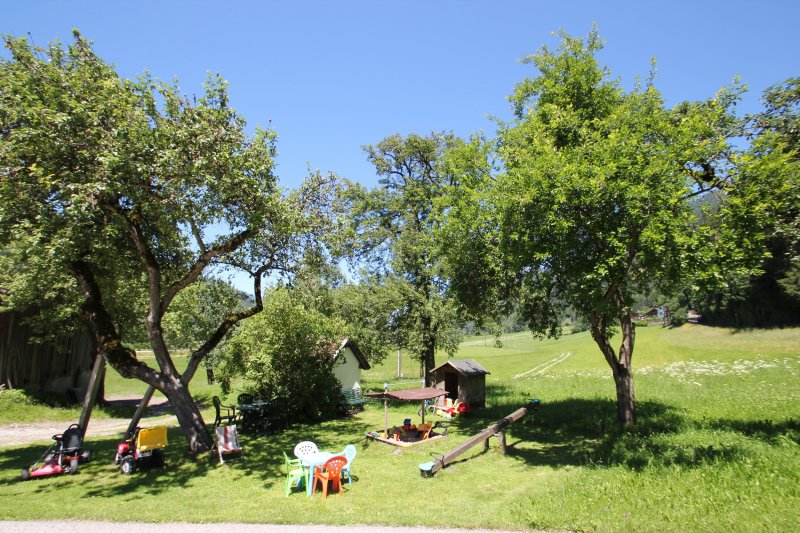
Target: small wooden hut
463, 380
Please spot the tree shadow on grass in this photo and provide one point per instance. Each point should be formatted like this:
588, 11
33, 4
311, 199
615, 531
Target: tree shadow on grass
767, 431
570, 432
262, 460
584, 432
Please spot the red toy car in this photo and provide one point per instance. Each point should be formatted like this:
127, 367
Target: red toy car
62, 457
144, 446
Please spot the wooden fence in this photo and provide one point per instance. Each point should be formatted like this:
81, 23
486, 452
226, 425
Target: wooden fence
62, 366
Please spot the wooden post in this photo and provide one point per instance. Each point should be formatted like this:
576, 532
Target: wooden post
386, 410
502, 436
96, 379
399, 362
140, 410
483, 436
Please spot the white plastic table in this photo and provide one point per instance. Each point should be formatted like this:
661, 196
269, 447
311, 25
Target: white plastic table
312, 461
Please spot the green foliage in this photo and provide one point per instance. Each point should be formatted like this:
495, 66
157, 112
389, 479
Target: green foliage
367, 311
590, 204
286, 352
198, 310
115, 172
762, 213
393, 231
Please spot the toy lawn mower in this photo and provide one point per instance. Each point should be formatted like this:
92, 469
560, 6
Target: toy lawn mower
61, 457
143, 447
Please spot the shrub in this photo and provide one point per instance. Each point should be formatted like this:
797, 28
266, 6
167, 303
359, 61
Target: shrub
285, 353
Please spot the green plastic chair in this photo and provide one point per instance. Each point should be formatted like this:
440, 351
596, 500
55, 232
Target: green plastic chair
295, 473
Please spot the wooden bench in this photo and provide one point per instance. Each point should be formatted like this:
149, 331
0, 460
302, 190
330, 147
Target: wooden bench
352, 398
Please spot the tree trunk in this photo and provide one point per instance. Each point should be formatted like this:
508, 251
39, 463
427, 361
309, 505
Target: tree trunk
620, 365
189, 417
429, 357
430, 364
124, 361
428, 350
626, 402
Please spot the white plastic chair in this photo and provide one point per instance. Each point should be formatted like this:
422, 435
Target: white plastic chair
305, 448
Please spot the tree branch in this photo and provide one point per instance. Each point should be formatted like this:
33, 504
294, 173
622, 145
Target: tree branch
201, 263
215, 338
145, 253
109, 344
197, 236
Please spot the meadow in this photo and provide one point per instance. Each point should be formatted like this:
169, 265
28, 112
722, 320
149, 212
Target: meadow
716, 448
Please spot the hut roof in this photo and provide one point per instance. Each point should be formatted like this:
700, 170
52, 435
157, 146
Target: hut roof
348, 343
409, 395
465, 367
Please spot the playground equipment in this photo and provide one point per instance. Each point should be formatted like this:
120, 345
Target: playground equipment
62, 457
442, 460
145, 445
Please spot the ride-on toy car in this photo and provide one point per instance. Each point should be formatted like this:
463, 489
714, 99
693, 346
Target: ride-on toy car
143, 447
61, 457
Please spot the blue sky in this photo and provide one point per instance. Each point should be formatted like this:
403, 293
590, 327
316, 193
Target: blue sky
333, 76
330, 77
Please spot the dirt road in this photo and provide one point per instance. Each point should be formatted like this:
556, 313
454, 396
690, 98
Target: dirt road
26, 432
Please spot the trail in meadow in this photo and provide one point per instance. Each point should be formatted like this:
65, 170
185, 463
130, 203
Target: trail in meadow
544, 367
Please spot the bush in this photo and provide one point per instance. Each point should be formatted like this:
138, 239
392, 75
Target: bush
15, 396
285, 353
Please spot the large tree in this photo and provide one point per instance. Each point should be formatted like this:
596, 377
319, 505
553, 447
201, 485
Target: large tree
394, 224
116, 192
764, 210
589, 206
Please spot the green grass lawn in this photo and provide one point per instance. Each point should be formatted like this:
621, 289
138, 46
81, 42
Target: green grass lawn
716, 448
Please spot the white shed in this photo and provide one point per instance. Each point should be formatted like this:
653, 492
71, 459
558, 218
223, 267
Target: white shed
348, 362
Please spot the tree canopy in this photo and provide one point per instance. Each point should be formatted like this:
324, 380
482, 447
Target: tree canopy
393, 225
589, 206
117, 192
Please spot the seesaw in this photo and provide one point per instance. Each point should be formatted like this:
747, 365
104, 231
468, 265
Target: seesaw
497, 429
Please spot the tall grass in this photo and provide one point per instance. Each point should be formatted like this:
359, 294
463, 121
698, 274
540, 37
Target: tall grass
716, 448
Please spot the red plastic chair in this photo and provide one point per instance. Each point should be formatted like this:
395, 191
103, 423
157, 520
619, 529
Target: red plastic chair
330, 472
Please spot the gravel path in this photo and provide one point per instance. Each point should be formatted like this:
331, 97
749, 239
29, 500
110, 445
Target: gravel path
67, 526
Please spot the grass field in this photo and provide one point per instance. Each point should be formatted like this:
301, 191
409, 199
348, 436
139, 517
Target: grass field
716, 448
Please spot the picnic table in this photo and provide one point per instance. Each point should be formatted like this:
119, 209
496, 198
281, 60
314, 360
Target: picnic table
254, 415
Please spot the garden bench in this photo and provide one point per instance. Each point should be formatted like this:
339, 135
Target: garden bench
352, 398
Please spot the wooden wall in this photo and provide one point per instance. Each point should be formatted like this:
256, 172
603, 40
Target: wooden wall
62, 367
471, 389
